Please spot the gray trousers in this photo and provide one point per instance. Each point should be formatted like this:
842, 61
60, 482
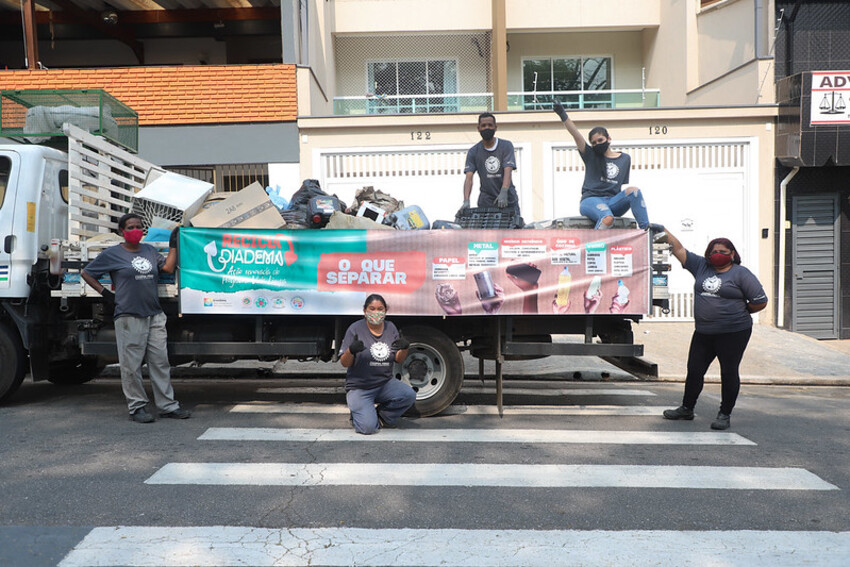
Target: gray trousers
141, 338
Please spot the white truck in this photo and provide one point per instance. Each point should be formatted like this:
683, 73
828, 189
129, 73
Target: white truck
56, 205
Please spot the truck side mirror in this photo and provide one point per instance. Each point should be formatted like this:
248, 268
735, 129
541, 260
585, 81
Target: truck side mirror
9, 244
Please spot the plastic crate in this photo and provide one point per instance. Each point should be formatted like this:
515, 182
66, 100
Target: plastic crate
486, 217
37, 115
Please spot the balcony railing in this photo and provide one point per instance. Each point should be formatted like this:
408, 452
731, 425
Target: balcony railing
483, 102
576, 100
413, 104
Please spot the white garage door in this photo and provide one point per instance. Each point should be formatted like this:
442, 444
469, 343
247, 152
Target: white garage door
431, 178
698, 190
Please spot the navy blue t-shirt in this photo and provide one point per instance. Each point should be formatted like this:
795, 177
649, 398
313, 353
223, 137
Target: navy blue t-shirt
135, 276
720, 298
372, 367
490, 165
604, 176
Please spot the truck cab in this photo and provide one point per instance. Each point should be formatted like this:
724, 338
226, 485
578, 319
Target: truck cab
33, 211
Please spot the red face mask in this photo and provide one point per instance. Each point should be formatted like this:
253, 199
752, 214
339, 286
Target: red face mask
718, 259
134, 235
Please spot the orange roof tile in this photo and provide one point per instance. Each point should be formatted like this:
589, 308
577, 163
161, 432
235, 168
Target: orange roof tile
201, 94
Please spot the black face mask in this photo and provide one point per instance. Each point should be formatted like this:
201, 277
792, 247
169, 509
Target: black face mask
487, 134
600, 149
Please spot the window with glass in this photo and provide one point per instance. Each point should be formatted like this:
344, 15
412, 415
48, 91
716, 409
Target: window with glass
5, 174
412, 87
571, 80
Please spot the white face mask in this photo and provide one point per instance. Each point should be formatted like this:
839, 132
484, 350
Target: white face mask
375, 317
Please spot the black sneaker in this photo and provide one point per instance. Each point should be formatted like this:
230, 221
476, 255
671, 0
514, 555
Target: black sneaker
680, 412
141, 415
722, 422
179, 413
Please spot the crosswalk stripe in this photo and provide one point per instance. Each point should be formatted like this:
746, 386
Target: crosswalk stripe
458, 409
476, 436
341, 547
475, 389
454, 474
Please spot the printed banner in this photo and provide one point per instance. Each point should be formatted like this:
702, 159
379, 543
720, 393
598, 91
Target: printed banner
830, 95
437, 272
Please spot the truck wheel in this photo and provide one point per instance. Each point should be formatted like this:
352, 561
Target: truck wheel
12, 362
434, 368
70, 373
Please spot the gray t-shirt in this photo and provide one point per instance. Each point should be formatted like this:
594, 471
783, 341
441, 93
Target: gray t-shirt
490, 165
373, 366
604, 176
135, 276
720, 299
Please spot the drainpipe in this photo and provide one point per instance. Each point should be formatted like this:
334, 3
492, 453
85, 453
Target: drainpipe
780, 288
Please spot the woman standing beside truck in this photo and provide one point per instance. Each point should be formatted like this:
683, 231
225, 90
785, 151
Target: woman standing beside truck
139, 321
369, 349
725, 294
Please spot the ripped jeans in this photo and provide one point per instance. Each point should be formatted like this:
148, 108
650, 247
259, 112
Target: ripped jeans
597, 208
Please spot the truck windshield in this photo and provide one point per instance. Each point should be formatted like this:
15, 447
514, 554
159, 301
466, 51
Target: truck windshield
5, 173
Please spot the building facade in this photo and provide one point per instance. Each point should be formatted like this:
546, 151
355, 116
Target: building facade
389, 92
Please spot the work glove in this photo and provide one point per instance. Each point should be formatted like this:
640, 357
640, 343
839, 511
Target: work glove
465, 204
108, 297
401, 343
559, 110
502, 199
356, 345
172, 240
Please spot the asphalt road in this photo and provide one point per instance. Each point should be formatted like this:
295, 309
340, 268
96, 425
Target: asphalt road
71, 461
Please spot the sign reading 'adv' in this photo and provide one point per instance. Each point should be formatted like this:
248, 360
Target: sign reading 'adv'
830, 94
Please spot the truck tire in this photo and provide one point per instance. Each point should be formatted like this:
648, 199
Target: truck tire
69, 374
434, 368
12, 362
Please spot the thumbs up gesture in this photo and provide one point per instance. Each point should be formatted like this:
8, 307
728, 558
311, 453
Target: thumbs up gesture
356, 345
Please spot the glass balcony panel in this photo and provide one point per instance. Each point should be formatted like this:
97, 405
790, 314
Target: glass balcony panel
421, 104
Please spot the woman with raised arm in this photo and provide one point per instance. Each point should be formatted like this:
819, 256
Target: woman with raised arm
725, 295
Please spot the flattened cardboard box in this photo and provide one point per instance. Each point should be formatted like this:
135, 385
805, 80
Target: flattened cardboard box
248, 208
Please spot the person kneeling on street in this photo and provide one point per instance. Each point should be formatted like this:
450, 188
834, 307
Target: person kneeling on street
370, 347
139, 321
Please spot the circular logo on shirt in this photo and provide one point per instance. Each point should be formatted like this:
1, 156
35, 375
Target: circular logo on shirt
612, 170
492, 164
380, 351
141, 264
712, 284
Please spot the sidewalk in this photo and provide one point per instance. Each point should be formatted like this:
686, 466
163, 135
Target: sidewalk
774, 356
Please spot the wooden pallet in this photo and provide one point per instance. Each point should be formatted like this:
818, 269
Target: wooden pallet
102, 181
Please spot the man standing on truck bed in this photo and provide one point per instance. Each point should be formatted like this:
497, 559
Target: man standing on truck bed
605, 172
139, 320
494, 160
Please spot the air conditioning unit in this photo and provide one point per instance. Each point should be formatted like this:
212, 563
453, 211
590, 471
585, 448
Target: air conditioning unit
169, 199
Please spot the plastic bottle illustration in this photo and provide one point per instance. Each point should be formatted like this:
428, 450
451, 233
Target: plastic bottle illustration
621, 299
565, 280
622, 296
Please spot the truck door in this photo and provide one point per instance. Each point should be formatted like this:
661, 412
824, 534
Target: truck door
8, 168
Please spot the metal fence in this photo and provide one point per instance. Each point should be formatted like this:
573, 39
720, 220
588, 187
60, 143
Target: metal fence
413, 73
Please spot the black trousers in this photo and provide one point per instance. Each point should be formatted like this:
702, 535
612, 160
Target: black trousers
728, 349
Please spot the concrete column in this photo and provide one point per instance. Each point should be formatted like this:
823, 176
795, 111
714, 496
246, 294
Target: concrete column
499, 56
